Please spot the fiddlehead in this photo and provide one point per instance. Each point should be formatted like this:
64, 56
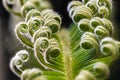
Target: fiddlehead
32, 13
53, 51
101, 69
101, 32
81, 12
53, 25
6, 4
50, 14
52, 20
32, 74
74, 4
45, 51
103, 12
26, 8
17, 62
22, 32
109, 46
88, 41
85, 75
106, 3
84, 25
108, 25
93, 6
34, 24
96, 21
44, 31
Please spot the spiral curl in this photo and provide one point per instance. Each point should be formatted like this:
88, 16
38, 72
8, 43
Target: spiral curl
18, 60
108, 25
53, 25
44, 31
32, 13
102, 69
88, 41
26, 8
42, 43
104, 12
22, 33
35, 23
53, 51
50, 14
32, 74
46, 50
6, 4
85, 75
105, 3
52, 20
74, 4
93, 6
82, 12
101, 32
84, 25
108, 46
96, 21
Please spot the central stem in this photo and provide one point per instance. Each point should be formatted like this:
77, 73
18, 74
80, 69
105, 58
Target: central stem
65, 42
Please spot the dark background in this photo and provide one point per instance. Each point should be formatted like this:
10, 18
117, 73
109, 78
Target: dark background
6, 38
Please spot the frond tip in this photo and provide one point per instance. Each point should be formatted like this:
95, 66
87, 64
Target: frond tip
88, 41
17, 61
109, 46
32, 74
102, 69
85, 75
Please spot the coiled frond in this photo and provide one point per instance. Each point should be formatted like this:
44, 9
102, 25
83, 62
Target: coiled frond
81, 12
104, 12
74, 4
85, 75
6, 4
109, 46
84, 25
108, 25
101, 69
53, 25
34, 24
32, 74
88, 41
18, 60
101, 32
93, 6
45, 51
50, 14
22, 32
32, 13
26, 8
96, 21
53, 51
105, 3
44, 31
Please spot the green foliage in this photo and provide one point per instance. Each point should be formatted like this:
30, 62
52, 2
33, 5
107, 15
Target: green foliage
84, 52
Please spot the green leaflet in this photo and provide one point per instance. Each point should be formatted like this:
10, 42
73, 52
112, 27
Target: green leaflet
83, 52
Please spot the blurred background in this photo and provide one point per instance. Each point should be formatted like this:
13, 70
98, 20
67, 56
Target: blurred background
8, 46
